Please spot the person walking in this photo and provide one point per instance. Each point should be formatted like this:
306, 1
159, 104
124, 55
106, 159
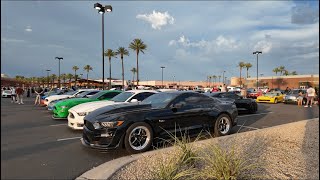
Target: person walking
28, 92
38, 92
311, 92
13, 94
300, 98
20, 92
224, 88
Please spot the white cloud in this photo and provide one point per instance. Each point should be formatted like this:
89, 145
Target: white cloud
221, 43
6, 40
28, 29
157, 19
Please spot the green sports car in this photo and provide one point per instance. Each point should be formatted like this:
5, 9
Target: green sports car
60, 110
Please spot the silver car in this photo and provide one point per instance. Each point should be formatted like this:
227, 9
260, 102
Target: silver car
292, 96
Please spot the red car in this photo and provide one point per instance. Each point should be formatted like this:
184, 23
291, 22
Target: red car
254, 94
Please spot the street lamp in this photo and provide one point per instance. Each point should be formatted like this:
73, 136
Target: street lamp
101, 10
261, 75
223, 76
225, 80
59, 58
162, 67
257, 52
48, 70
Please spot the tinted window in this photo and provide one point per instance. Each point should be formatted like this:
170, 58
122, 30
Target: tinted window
160, 100
142, 96
193, 100
122, 97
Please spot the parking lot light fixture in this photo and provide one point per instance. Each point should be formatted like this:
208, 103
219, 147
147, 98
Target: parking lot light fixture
102, 10
223, 76
257, 53
162, 67
59, 58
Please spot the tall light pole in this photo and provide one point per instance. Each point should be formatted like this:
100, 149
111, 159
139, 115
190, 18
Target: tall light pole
223, 76
225, 80
59, 58
101, 10
48, 70
257, 52
162, 67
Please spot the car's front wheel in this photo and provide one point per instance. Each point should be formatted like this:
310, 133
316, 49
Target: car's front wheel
138, 137
222, 125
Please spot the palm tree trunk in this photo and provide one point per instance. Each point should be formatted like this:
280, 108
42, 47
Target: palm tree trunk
240, 76
137, 68
133, 78
122, 73
109, 72
87, 80
75, 78
247, 72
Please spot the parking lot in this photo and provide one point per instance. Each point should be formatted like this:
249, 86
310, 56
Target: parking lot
34, 146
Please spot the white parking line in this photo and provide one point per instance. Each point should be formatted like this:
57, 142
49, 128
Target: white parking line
65, 139
248, 127
254, 114
58, 125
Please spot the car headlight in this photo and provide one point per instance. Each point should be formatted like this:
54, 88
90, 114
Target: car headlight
96, 125
112, 124
83, 113
64, 107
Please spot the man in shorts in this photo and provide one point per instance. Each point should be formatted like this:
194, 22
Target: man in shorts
311, 93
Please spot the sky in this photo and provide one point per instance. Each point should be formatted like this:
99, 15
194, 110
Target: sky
191, 39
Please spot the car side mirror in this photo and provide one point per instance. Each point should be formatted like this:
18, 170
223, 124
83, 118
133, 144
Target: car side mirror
134, 100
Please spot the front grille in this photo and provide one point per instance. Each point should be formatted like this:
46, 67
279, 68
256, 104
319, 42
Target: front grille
89, 125
263, 100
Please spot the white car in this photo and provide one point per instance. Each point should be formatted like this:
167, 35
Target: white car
6, 93
64, 96
77, 113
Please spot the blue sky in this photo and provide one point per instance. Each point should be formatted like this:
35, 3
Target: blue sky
191, 39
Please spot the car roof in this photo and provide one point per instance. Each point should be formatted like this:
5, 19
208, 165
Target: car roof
138, 90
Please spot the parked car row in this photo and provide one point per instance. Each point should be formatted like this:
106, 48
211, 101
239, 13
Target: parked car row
136, 119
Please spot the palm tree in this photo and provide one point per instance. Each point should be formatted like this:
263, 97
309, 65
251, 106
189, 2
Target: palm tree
241, 65
43, 80
69, 76
110, 53
282, 70
286, 73
87, 68
214, 79
276, 70
294, 73
63, 77
133, 70
75, 68
138, 45
248, 66
210, 77
219, 78
123, 52
53, 77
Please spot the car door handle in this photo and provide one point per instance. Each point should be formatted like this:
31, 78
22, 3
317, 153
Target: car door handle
161, 120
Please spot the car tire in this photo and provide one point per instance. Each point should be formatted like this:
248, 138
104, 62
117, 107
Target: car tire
136, 134
222, 125
252, 109
276, 101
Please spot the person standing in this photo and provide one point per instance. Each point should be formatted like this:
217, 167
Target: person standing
300, 98
28, 92
311, 93
223, 88
20, 92
13, 94
38, 92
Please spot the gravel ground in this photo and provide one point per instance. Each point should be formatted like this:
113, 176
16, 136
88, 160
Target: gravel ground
289, 151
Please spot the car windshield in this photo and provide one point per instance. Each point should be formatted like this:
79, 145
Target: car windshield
98, 94
271, 94
295, 91
7, 91
70, 93
122, 97
160, 100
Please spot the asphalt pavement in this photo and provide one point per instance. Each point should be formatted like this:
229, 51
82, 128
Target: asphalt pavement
33, 146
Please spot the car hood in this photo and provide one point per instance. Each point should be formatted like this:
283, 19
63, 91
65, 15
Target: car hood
91, 106
54, 97
116, 110
74, 101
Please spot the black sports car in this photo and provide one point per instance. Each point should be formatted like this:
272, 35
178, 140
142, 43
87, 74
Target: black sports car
241, 103
136, 127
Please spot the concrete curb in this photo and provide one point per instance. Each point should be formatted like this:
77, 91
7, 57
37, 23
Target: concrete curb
108, 169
